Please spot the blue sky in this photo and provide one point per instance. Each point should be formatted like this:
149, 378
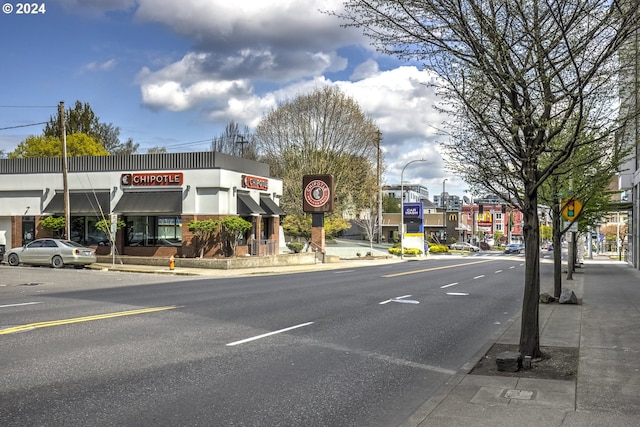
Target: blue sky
173, 73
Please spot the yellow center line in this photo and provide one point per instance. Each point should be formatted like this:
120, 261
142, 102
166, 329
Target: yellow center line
436, 268
37, 325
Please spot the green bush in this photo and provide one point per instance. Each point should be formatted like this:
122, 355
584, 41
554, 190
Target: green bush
295, 247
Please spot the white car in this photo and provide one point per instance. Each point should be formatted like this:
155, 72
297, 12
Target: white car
54, 252
462, 246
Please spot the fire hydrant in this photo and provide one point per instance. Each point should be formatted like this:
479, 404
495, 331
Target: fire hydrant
172, 263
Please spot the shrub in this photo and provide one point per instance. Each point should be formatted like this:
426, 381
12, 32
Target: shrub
295, 247
438, 249
407, 251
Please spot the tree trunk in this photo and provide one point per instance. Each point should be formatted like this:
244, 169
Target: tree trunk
557, 252
529, 332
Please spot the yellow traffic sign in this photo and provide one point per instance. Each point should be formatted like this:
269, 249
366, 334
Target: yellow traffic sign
571, 209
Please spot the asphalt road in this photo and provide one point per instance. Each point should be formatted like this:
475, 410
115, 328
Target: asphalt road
365, 346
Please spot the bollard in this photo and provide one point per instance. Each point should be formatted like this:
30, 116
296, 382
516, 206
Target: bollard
172, 263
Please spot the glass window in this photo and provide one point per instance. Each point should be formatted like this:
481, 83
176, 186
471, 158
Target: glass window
84, 232
153, 231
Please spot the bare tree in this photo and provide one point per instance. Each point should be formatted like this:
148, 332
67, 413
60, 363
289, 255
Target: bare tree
323, 132
514, 75
235, 142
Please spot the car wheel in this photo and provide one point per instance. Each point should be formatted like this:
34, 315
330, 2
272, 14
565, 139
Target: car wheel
56, 262
13, 260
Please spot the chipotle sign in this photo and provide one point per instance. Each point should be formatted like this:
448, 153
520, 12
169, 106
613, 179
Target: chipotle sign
255, 182
158, 179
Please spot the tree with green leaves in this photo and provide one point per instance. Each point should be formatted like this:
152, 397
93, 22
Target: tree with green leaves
78, 144
513, 76
233, 228
390, 204
203, 230
82, 119
322, 132
54, 224
299, 226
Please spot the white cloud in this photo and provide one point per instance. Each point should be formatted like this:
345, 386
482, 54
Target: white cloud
364, 70
100, 66
248, 56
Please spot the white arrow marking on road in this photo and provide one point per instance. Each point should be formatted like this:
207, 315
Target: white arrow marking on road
457, 293
394, 299
449, 285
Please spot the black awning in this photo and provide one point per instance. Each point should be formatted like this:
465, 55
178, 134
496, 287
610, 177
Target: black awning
248, 207
150, 203
270, 206
81, 203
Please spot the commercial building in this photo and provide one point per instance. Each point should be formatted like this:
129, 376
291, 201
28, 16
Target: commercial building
155, 195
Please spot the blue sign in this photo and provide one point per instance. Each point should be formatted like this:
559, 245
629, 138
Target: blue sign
413, 210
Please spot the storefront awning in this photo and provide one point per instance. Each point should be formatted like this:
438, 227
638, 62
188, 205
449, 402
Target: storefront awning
248, 207
150, 203
270, 206
80, 203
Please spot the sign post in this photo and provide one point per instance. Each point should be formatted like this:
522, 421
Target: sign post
317, 198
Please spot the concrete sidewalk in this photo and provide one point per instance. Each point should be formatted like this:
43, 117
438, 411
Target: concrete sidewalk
605, 326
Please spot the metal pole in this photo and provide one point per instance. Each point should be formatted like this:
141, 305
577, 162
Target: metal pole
65, 185
379, 189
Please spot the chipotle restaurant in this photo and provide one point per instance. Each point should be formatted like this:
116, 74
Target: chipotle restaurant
154, 195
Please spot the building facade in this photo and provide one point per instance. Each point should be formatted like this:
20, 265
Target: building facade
154, 195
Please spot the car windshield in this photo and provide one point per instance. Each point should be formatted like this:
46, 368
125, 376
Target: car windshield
71, 244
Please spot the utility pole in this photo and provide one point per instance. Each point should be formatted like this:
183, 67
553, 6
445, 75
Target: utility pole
65, 185
379, 189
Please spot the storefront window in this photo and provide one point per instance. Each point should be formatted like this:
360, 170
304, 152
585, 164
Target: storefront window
83, 231
153, 231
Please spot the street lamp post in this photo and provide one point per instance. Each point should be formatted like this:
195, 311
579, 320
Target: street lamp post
402, 206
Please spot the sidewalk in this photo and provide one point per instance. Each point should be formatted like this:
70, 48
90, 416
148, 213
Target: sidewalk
605, 326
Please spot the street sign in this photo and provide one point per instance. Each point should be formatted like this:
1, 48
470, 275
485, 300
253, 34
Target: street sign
571, 209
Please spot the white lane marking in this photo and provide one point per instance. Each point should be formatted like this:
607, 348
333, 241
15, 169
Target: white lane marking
512, 267
343, 271
498, 271
17, 305
378, 356
478, 277
406, 301
457, 293
394, 299
449, 285
269, 334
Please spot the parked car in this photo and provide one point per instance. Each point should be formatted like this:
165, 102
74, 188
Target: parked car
462, 246
513, 248
54, 252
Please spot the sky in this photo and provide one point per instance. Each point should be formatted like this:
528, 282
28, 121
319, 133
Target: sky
174, 73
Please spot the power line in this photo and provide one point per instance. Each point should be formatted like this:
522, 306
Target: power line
24, 126
28, 106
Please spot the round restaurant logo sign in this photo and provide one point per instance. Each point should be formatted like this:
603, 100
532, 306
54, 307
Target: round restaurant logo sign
317, 193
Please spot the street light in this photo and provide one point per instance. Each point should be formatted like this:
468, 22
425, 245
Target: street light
402, 206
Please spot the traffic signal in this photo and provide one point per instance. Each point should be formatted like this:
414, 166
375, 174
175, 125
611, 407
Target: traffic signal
571, 209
